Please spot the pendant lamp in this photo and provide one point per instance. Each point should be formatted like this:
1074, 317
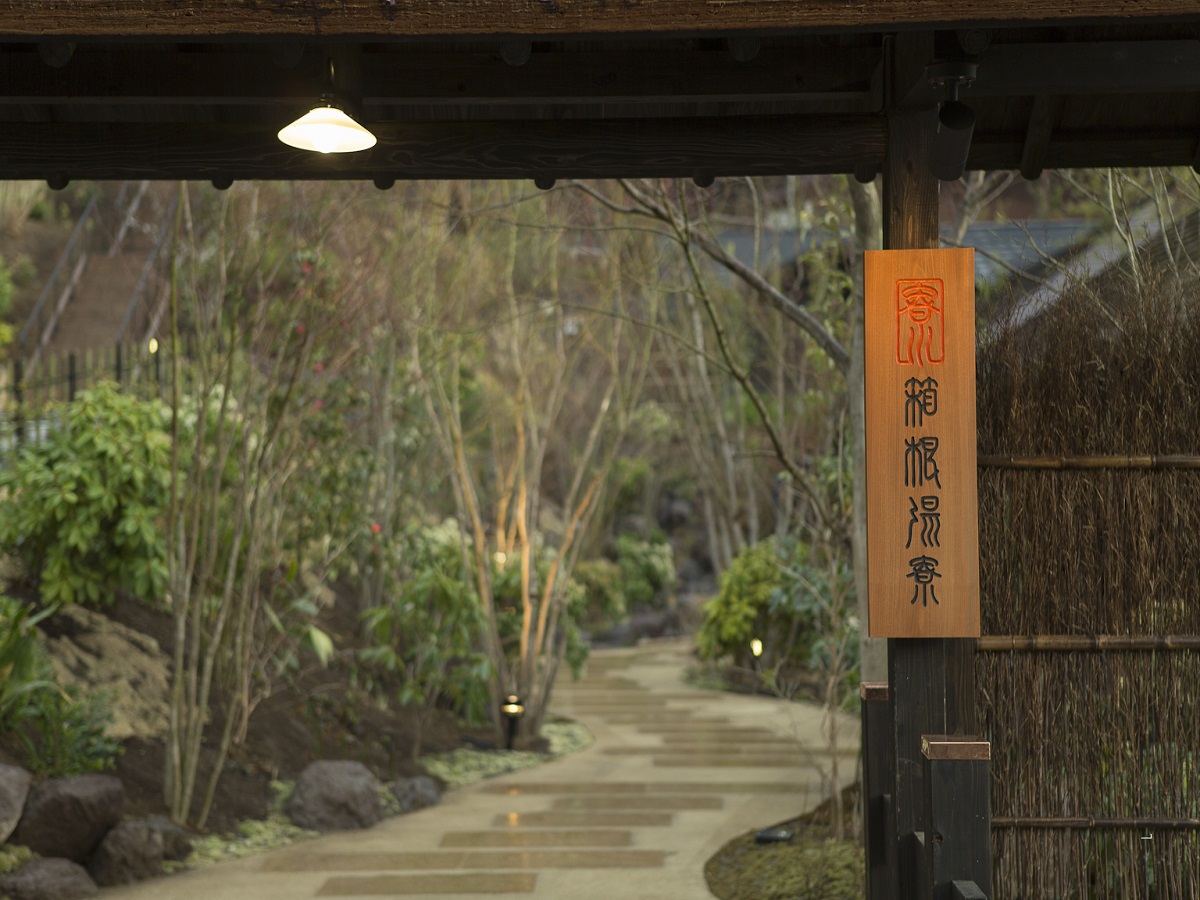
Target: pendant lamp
327, 128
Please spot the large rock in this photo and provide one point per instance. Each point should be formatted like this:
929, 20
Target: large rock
48, 879
68, 817
332, 795
97, 654
177, 843
416, 793
133, 851
14, 789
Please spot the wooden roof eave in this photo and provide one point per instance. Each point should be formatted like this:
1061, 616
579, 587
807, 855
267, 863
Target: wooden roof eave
383, 19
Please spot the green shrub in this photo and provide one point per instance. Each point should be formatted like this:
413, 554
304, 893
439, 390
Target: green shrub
818, 601
648, 570
83, 509
23, 271
604, 595
506, 592
6, 290
22, 663
801, 610
67, 734
740, 613
12, 857
425, 639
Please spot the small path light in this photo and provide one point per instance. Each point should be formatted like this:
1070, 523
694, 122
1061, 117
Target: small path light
513, 710
756, 647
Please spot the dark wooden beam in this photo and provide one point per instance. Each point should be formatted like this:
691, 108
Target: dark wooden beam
401, 18
412, 76
1042, 120
1074, 69
1116, 67
1075, 150
605, 149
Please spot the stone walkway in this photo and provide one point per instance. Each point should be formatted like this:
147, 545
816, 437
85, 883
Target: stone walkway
675, 772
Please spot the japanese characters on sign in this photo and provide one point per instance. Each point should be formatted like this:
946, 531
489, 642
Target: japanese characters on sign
922, 506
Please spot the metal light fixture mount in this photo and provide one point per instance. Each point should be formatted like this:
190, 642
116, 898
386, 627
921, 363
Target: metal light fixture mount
956, 120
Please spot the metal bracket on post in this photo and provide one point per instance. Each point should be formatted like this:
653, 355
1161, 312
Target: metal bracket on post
958, 820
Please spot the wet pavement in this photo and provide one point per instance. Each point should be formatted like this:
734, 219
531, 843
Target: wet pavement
674, 773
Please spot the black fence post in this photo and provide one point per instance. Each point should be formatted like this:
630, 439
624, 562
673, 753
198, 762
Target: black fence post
878, 812
120, 373
71, 383
958, 817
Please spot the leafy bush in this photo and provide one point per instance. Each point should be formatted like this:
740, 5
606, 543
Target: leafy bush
604, 594
648, 570
424, 640
22, 270
22, 661
819, 598
6, 289
63, 733
66, 734
740, 613
83, 509
777, 592
506, 591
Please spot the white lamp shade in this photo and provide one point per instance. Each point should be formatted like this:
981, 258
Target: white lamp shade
326, 129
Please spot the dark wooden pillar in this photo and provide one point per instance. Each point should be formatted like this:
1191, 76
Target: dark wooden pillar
958, 815
879, 776
931, 681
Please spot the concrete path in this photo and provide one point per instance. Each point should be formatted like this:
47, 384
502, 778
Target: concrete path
675, 772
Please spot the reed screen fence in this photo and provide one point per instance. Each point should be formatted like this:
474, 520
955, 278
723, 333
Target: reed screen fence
1089, 672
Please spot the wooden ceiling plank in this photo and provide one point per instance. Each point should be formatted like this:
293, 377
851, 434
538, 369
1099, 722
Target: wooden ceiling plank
400, 18
1072, 69
237, 77
1144, 147
615, 148
1042, 120
1117, 67
661, 76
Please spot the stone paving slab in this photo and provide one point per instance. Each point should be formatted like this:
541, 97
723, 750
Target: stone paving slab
674, 773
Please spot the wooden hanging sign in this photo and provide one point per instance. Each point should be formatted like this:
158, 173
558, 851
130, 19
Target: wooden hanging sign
922, 495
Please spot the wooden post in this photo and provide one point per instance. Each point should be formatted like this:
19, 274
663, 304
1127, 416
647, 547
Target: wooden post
931, 681
958, 822
878, 776
916, 667
71, 385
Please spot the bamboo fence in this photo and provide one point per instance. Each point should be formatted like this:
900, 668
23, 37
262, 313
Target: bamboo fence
1089, 679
